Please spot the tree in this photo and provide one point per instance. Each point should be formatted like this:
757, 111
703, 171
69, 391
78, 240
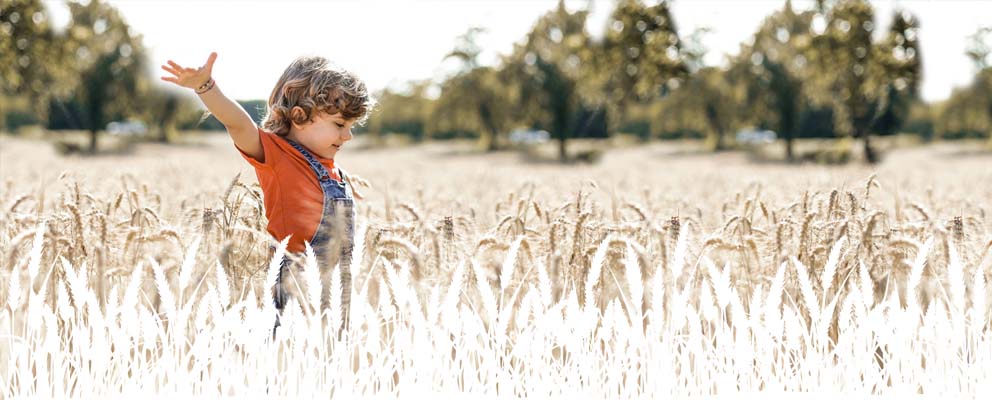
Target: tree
980, 53
963, 115
708, 91
869, 85
26, 40
547, 68
108, 64
770, 72
968, 112
475, 98
641, 52
164, 108
901, 69
408, 112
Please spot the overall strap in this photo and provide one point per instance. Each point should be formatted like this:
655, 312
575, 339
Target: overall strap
315, 165
348, 190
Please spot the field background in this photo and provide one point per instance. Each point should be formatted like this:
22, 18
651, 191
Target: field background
153, 207
563, 199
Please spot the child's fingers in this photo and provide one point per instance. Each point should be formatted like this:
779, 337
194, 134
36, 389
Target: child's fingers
210, 61
174, 65
170, 70
170, 79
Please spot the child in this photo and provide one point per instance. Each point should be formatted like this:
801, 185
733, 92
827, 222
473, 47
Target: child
309, 118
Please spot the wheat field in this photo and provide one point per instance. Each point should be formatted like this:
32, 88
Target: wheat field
659, 271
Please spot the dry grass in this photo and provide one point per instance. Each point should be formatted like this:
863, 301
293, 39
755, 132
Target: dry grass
485, 229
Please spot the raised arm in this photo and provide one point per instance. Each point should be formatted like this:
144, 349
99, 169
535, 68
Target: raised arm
239, 124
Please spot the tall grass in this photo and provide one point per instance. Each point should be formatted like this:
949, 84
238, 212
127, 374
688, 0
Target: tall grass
764, 279
203, 345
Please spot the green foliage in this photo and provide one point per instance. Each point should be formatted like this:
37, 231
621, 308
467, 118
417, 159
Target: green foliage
164, 108
92, 73
768, 74
475, 99
705, 102
188, 118
641, 52
406, 113
708, 90
547, 69
16, 112
816, 122
28, 49
967, 113
106, 75
869, 85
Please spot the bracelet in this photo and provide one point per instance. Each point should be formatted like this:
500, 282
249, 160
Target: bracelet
206, 86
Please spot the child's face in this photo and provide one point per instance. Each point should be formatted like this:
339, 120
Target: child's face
324, 135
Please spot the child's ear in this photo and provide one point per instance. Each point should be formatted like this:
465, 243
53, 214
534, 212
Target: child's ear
297, 116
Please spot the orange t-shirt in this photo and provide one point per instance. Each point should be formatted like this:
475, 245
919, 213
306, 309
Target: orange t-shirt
293, 199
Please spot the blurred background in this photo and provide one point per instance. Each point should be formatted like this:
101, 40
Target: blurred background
828, 81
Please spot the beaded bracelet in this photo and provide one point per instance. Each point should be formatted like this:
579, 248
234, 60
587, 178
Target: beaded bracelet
206, 87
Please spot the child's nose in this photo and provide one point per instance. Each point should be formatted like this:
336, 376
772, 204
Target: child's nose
347, 135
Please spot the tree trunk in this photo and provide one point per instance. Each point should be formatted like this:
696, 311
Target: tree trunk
163, 133
870, 156
789, 154
562, 112
788, 118
714, 119
3, 114
487, 139
487, 136
93, 136
990, 128
168, 119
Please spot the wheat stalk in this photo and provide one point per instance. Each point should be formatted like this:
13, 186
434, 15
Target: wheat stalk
678, 260
635, 284
978, 298
955, 276
449, 306
831, 268
806, 288
867, 286
165, 293
336, 293
506, 272
223, 286
917, 269
186, 268
410, 209
594, 271
486, 292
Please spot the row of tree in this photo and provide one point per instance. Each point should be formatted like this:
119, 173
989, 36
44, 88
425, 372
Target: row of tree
820, 72
82, 77
817, 73
821, 66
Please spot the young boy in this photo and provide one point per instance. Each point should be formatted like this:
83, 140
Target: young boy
309, 118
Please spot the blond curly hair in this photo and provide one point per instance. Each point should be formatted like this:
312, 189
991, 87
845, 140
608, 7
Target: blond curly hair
315, 85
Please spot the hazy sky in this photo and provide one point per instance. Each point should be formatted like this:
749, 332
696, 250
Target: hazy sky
391, 42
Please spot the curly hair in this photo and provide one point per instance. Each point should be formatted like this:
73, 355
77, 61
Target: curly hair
315, 85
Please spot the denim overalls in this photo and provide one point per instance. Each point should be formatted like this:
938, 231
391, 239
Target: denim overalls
335, 236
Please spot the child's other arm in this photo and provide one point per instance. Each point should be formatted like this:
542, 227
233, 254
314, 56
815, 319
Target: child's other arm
239, 124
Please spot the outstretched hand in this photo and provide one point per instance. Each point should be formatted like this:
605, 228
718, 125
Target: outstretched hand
189, 77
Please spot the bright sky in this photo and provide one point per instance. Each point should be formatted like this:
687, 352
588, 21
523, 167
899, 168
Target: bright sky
389, 42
